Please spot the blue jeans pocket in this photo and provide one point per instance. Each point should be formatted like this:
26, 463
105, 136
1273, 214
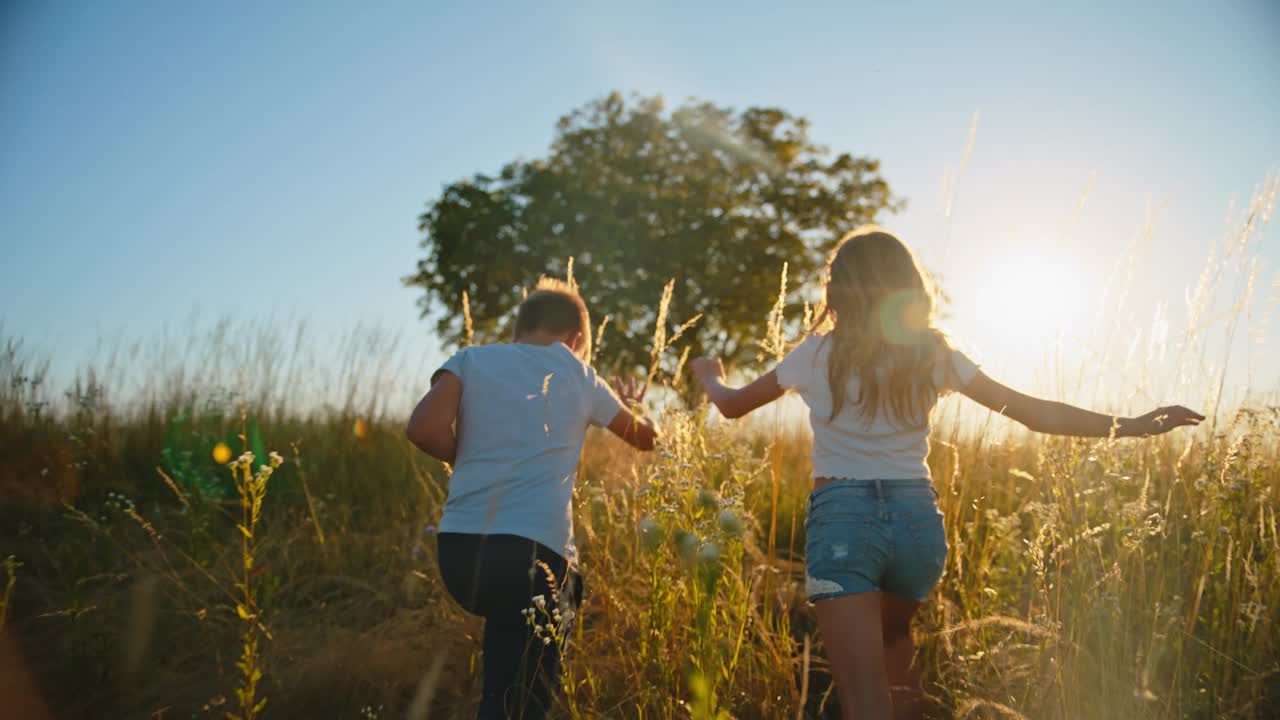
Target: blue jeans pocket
845, 552
838, 541
922, 556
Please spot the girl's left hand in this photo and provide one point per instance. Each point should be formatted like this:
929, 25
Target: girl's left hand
706, 369
1162, 420
629, 391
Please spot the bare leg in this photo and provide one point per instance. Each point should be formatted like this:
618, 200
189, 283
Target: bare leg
899, 652
851, 632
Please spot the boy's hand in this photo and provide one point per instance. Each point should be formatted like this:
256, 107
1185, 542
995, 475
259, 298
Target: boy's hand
629, 391
707, 369
1162, 420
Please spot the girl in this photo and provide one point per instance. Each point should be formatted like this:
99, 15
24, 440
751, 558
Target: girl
875, 543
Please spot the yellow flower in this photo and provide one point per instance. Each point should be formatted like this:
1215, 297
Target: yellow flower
361, 428
221, 453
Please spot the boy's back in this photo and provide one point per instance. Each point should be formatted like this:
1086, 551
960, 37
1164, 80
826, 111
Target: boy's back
521, 422
511, 419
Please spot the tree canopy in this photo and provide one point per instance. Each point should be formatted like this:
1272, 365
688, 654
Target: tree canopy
637, 195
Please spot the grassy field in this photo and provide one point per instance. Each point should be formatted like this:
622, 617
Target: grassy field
1086, 579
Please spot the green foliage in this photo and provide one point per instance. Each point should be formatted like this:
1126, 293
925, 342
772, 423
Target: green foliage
637, 195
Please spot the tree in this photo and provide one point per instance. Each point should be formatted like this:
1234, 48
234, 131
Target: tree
716, 199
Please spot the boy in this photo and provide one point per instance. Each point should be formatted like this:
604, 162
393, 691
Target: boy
521, 412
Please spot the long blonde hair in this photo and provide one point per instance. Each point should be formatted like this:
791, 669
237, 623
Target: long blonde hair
881, 307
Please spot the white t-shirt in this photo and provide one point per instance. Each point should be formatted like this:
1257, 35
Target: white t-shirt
851, 446
521, 424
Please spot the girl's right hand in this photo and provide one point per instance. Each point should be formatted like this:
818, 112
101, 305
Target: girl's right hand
1162, 420
706, 369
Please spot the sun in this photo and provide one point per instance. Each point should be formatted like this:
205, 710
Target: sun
1032, 301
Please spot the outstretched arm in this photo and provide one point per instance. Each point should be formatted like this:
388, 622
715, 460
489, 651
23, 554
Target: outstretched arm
431, 427
1055, 418
635, 430
735, 402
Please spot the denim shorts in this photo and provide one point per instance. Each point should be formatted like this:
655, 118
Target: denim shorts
866, 535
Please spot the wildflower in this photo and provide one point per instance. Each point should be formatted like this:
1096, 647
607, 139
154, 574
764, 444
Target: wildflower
540, 602
221, 453
276, 460
707, 498
730, 523
650, 534
686, 544
546, 640
709, 553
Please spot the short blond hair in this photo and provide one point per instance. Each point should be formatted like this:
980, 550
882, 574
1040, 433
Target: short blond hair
556, 307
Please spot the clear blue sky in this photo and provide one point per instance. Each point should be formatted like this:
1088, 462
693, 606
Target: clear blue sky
270, 159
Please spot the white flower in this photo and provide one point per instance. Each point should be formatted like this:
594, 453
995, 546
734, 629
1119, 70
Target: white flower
540, 602
546, 641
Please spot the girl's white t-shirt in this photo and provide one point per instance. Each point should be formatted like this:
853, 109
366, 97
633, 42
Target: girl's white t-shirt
851, 446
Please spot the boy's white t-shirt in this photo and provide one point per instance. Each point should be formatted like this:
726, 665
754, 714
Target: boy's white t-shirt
852, 446
521, 424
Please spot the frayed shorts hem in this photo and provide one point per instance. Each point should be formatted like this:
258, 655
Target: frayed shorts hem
859, 591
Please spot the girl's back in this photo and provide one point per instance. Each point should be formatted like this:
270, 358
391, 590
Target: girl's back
857, 444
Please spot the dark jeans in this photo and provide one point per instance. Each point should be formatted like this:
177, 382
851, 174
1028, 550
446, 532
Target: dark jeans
497, 577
